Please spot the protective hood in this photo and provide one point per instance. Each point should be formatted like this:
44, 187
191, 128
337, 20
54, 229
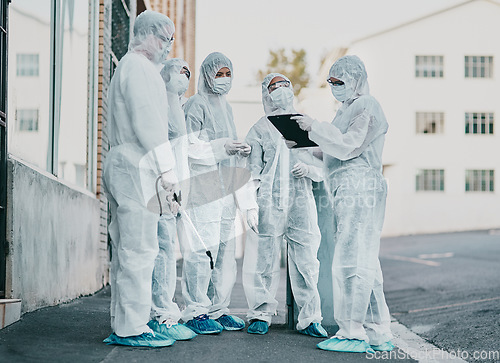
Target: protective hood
351, 70
176, 85
209, 68
269, 107
152, 32
171, 74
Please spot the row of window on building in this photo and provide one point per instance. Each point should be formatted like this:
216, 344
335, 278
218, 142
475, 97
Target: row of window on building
475, 122
475, 180
432, 66
426, 66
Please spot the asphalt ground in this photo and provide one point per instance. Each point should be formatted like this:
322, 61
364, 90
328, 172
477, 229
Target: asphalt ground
445, 288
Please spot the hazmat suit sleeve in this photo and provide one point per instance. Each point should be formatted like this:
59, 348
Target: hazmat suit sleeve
315, 173
307, 157
148, 121
344, 146
247, 195
202, 152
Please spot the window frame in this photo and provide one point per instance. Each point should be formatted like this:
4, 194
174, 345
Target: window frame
425, 118
427, 177
435, 66
479, 181
476, 66
485, 121
92, 92
34, 121
21, 71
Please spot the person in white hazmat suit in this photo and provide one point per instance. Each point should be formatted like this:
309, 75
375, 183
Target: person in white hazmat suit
209, 119
286, 209
165, 313
139, 156
352, 154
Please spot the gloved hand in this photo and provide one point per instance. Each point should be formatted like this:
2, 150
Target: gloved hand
289, 143
253, 219
245, 150
304, 122
300, 170
173, 205
234, 146
169, 181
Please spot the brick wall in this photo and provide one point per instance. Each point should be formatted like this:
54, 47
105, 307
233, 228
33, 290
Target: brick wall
102, 111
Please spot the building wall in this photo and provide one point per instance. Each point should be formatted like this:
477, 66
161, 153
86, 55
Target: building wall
390, 62
183, 14
54, 254
57, 230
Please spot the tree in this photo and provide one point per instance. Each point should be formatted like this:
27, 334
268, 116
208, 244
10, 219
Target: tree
291, 65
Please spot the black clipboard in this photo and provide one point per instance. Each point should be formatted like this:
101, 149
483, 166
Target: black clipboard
290, 130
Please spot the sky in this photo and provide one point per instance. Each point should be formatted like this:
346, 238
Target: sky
246, 30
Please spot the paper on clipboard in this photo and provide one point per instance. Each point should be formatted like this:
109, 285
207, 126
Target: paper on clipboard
291, 130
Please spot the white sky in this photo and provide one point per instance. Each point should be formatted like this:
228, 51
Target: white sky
246, 30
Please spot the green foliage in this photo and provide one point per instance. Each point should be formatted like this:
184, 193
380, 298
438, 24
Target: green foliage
291, 65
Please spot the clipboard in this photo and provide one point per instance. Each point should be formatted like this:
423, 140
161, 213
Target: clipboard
291, 131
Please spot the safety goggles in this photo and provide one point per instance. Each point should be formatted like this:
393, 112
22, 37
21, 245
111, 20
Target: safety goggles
165, 39
185, 71
277, 85
336, 83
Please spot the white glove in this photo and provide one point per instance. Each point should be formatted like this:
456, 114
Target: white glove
234, 146
169, 181
304, 122
300, 170
253, 219
173, 205
245, 150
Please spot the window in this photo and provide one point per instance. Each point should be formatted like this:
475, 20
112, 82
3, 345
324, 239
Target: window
479, 180
27, 120
429, 66
53, 86
479, 122
478, 66
430, 180
430, 122
27, 65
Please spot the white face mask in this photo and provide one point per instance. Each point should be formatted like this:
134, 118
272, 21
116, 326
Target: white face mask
282, 97
222, 85
341, 93
178, 83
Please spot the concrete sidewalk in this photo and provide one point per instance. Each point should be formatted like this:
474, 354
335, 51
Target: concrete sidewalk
73, 332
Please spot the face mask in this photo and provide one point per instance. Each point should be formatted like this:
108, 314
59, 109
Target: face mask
178, 83
282, 97
162, 54
222, 85
341, 93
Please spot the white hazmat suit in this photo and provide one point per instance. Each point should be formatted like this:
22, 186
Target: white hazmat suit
209, 119
164, 309
286, 210
139, 153
352, 147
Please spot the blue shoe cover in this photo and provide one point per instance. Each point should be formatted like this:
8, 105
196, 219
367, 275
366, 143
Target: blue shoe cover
172, 330
231, 322
258, 327
203, 325
315, 330
385, 347
345, 345
143, 340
